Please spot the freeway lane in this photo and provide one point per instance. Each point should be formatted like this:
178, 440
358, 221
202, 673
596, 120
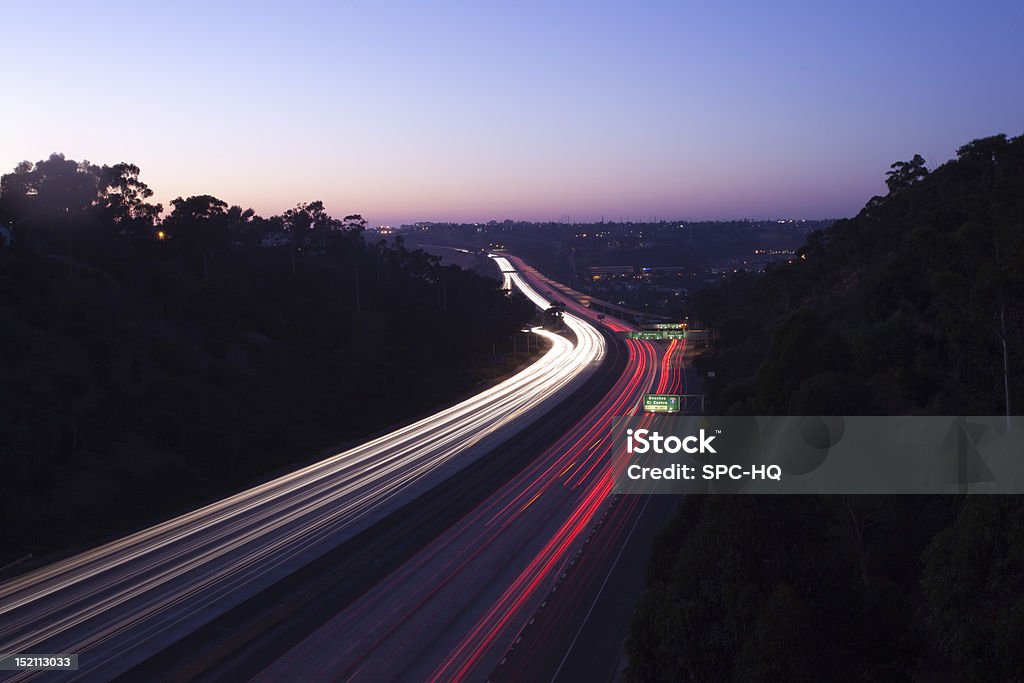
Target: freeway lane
244, 641
118, 604
580, 635
451, 612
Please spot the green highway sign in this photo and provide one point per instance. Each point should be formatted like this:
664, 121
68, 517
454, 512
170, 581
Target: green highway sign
658, 335
649, 335
661, 403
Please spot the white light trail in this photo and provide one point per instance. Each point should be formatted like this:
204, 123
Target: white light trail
117, 604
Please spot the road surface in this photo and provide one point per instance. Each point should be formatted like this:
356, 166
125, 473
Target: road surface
464, 606
118, 604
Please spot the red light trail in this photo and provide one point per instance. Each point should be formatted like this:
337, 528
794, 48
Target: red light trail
453, 610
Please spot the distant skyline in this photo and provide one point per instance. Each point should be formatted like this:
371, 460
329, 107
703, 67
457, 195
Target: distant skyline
468, 111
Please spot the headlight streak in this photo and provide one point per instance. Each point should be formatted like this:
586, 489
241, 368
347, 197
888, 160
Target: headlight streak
416, 617
595, 482
184, 572
518, 602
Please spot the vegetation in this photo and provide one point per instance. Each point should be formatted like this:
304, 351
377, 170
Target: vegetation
914, 306
146, 364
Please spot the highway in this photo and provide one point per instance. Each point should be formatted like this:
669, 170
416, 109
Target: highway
118, 604
464, 604
580, 633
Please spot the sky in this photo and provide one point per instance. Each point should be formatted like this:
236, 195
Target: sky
532, 110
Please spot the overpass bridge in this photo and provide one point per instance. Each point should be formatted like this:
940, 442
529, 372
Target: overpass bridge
599, 305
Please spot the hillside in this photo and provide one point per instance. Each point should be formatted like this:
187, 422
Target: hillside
911, 307
146, 366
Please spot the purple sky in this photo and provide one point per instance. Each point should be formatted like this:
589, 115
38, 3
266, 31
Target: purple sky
412, 110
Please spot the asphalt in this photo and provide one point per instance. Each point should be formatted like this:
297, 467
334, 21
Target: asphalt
580, 635
242, 642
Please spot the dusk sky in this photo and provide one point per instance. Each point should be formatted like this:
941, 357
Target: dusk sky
440, 110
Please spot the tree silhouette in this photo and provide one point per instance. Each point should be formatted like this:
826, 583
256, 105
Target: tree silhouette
197, 227
903, 174
121, 201
307, 224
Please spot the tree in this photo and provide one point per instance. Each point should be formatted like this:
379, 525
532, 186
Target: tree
354, 222
750, 580
903, 174
198, 226
54, 194
121, 201
802, 346
61, 187
17, 192
983, 280
971, 581
308, 224
240, 225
